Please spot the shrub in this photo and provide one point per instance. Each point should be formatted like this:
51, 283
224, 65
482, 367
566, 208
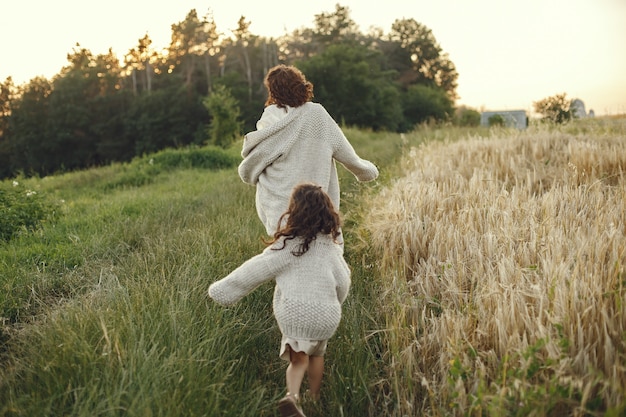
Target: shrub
468, 117
211, 157
21, 210
144, 170
555, 109
225, 126
423, 103
496, 120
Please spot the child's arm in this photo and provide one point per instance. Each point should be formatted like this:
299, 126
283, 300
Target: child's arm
243, 280
271, 114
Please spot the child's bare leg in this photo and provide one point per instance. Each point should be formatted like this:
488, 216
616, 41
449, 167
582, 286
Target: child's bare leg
316, 371
298, 364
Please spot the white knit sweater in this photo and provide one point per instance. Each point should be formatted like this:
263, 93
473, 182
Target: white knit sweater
300, 147
309, 288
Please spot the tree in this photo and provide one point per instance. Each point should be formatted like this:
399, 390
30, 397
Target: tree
467, 117
297, 46
330, 28
29, 139
7, 95
225, 126
556, 109
334, 27
351, 83
141, 60
242, 42
413, 51
168, 118
94, 111
192, 46
209, 48
79, 115
422, 103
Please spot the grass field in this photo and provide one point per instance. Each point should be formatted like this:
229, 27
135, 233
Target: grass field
488, 279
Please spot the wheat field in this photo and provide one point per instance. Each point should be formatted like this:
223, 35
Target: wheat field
503, 259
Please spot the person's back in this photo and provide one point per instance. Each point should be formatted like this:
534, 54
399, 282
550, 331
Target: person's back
306, 301
301, 144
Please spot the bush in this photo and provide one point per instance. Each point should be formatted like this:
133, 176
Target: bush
225, 126
211, 157
21, 210
555, 109
144, 170
468, 117
496, 120
424, 103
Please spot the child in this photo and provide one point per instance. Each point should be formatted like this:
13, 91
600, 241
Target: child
296, 141
312, 282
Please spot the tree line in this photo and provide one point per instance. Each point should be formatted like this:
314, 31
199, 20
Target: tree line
207, 88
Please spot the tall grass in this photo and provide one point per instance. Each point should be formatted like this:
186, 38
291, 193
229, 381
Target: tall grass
503, 262
137, 336
112, 316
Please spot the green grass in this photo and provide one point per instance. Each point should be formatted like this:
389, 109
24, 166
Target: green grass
105, 310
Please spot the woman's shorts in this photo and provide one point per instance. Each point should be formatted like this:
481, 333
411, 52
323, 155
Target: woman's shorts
310, 347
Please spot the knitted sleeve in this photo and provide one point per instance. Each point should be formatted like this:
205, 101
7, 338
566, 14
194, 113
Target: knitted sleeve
271, 114
254, 164
243, 280
261, 148
342, 276
362, 169
344, 153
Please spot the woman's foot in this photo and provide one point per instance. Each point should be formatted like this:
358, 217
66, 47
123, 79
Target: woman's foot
288, 406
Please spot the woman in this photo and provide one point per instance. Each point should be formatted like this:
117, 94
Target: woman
296, 141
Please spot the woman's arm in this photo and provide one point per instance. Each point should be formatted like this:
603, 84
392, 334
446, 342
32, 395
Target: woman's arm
362, 169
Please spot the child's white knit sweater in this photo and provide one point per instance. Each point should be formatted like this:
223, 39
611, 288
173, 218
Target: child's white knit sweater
309, 288
300, 147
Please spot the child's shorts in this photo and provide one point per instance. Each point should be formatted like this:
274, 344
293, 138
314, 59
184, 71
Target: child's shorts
310, 347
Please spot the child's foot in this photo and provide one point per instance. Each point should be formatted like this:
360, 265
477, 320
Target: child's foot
311, 396
288, 407
312, 403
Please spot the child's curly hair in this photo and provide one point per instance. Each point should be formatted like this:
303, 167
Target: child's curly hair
287, 86
310, 212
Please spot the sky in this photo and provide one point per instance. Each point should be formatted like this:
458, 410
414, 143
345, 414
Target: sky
508, 54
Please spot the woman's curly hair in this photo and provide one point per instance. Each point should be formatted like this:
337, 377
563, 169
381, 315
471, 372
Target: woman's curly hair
287, 86
310, 212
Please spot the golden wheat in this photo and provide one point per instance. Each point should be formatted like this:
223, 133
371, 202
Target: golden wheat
504, 259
